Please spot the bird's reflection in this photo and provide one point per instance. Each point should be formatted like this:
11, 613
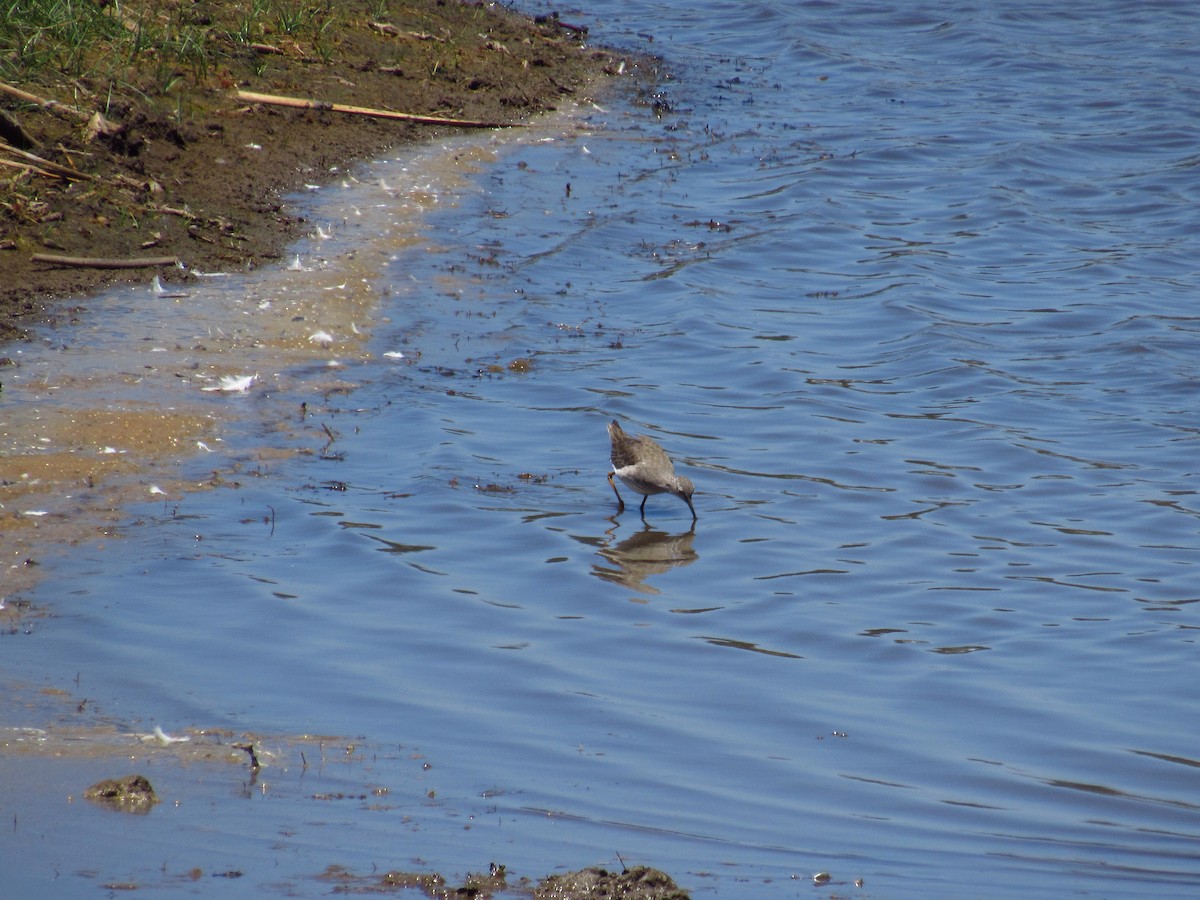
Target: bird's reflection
645, 553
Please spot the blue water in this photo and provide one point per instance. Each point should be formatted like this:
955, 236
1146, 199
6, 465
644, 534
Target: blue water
911, 296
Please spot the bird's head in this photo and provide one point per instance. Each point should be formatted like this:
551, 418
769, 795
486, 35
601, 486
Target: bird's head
684, 490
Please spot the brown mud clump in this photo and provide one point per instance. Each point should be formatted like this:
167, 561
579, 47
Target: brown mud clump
132, 793
636, 883
157, 134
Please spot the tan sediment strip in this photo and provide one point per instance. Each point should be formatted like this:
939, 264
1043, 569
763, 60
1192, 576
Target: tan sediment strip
88, 463
75, 451
69, 728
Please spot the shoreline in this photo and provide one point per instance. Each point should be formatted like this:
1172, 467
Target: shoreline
209, 190
211, 194
192, 170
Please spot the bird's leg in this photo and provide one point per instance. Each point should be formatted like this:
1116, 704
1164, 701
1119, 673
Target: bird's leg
613, 485
642, 508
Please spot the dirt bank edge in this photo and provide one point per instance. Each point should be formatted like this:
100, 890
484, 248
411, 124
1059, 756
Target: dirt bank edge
193, 172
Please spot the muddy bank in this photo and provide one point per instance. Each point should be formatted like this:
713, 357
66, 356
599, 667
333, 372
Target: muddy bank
168, 160
164, 158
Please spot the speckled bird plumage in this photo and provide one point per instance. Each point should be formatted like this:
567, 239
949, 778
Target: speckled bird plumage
644, 467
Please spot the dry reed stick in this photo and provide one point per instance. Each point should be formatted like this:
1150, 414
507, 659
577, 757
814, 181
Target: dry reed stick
85, 262
52, 105
302, 103
60, 171
28, 167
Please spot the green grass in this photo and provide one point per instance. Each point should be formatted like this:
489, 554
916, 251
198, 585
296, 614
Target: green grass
52, 35
152, 46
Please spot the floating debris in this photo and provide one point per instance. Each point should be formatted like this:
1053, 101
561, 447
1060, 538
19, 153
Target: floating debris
165, 739
156, 287
233, 384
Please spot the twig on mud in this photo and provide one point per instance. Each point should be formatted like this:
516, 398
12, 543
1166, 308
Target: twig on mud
85, 262
554, 20
389, 29
28, 167
52, 167
302, 103
249, 749
52, 105
172, 211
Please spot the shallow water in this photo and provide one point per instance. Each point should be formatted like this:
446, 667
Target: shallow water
909, 295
